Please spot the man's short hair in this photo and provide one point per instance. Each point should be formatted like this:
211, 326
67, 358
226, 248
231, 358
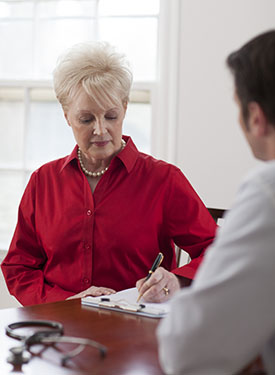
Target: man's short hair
253, 69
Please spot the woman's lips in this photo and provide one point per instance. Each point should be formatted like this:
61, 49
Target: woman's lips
100, 143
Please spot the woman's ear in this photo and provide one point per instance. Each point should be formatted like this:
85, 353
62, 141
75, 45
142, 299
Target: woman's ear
125, 106
66, 117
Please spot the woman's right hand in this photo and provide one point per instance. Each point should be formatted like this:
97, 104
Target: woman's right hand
93, 291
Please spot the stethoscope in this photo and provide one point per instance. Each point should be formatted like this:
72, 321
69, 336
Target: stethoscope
21, 354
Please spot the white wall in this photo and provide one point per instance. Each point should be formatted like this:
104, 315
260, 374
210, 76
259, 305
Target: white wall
210, 148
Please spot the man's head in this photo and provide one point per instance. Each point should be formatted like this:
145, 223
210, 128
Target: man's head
253, 69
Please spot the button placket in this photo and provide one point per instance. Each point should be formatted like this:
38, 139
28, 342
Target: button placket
89, 210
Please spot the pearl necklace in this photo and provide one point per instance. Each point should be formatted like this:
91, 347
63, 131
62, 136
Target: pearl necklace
95, 174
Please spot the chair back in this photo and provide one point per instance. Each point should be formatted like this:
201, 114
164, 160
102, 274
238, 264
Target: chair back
216, 213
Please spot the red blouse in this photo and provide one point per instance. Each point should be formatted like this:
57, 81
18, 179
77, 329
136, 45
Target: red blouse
68, 238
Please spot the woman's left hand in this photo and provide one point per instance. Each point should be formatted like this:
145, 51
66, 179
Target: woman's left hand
160, 287
93, 291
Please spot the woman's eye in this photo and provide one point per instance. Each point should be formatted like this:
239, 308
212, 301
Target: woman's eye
85, 120
110, 117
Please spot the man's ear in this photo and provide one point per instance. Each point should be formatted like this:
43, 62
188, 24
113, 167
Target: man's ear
257, 120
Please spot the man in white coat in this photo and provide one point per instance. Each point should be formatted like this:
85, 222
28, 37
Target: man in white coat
226, 318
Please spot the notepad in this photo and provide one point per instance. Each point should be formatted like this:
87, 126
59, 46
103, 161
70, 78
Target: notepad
125, 301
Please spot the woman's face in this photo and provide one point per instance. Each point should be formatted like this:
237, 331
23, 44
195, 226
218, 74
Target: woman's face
97, 132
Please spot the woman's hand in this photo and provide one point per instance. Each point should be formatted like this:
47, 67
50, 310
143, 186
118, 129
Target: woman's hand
93, 291
160, 287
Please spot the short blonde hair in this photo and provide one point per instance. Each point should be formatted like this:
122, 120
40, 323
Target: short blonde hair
102, 72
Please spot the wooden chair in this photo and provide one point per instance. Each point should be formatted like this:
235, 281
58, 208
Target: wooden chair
217, 214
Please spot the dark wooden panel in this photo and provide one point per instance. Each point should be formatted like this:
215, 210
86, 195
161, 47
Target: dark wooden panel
216, 213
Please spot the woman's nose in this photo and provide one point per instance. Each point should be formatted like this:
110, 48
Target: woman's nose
99, 128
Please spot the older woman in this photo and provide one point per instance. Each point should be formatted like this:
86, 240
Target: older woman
94, 221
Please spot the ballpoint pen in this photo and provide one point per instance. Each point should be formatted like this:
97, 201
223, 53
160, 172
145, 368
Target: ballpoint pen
155, 265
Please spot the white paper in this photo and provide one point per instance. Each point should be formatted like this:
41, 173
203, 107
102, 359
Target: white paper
130, 296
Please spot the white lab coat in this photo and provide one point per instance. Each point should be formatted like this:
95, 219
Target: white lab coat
227, 317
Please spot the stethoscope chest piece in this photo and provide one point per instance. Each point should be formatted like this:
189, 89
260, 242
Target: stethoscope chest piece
18, 356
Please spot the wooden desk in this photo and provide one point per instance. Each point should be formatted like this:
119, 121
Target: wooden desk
131, 341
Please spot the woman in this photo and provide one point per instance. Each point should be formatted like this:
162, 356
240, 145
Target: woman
94, 221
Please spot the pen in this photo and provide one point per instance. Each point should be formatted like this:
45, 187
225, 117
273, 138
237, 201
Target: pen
155, 265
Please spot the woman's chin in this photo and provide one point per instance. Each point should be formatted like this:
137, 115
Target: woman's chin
101, 155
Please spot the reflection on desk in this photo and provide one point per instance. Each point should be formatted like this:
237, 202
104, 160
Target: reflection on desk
130, 339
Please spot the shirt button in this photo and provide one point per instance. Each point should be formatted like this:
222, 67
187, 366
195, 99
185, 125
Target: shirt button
87, 247
89, 212
85, 280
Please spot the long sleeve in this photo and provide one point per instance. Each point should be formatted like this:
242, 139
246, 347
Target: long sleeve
188, 222
227, 317
24, 263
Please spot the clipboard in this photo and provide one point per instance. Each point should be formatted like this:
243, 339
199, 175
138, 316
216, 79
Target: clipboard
125, 301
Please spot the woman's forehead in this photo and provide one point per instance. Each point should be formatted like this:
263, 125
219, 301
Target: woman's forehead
82, 100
